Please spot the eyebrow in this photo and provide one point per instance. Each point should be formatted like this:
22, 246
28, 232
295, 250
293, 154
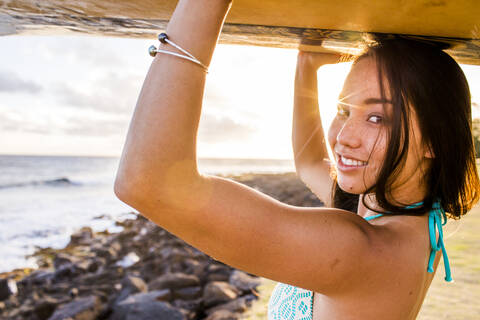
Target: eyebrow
367, 101
377, 101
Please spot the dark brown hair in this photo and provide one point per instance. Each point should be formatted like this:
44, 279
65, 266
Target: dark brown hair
422, 75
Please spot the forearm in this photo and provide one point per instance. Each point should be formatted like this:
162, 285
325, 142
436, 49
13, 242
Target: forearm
161, 140
308, 140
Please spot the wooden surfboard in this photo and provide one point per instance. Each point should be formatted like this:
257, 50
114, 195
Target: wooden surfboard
340, 25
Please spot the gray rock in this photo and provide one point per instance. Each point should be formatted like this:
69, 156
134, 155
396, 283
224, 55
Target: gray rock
217, 292
45, 307
62, 259
174, 280
5, 291
80, 309
145, 306
38, 277
238, 305
223, 315
243, 281
131, 285
187, 293
81, 237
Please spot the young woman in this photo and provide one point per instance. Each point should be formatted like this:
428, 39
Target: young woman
402, 144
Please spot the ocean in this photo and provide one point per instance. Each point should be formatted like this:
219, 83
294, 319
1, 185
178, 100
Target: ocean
44, 199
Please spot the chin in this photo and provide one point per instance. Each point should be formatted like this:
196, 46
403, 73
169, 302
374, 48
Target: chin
353, 187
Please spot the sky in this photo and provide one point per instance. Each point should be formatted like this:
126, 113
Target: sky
75, 95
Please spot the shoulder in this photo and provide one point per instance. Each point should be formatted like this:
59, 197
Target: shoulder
400, 245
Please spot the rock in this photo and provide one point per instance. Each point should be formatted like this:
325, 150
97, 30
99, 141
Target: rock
173, 281
243, 281
190, 305
90, 265
62, 259
38, 277
194, 267
5, 291
223, 315
238, 305
81, 237
218, 277
173, 255
218, 272
145, 306
66, 271
73, 293
131, 285
80, 309
128, 260
45, 307
187, 293
217, 292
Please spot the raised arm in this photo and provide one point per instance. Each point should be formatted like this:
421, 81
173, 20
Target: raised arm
321, 249
309, 144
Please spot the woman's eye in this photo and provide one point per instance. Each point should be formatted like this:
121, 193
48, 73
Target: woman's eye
377, 119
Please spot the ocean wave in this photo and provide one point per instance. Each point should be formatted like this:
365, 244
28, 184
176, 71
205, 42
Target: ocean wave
59, 182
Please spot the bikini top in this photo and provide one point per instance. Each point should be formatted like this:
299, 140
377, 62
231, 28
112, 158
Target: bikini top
293, 303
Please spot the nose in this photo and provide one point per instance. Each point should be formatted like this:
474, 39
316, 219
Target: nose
349, 134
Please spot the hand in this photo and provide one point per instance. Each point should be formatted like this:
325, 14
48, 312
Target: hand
315, 60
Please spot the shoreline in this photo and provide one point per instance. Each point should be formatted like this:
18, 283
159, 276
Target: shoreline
109, 274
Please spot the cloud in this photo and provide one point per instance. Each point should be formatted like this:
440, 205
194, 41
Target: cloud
111, 94
11, 122
215, 129
96, 127
10, 82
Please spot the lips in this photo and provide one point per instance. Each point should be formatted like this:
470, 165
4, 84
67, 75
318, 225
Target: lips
346, 162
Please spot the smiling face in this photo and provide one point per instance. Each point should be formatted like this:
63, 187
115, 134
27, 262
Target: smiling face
359, 136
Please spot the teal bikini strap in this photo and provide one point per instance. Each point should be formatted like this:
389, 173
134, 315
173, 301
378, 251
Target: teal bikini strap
373, 217
381, 214
434, 220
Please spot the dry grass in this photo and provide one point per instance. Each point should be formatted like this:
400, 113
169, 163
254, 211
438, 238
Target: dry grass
457, 300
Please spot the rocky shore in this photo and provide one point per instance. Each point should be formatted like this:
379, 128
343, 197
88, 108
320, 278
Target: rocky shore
142, 272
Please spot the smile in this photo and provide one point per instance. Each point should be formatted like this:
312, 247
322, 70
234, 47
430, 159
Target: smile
344, 163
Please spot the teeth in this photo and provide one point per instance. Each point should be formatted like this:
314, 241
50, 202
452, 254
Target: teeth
352, 162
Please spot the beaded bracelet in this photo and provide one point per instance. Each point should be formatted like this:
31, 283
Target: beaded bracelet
163, 38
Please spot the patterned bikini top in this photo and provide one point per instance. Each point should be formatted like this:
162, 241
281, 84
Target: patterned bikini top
293, 303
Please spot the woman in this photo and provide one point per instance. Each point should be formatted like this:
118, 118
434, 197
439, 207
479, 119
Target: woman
401, 157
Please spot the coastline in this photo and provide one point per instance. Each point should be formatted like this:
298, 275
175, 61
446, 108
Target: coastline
110, 275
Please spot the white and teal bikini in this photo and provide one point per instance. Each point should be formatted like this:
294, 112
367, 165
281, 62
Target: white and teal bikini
293, 303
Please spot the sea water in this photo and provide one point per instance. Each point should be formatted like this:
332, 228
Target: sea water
44, 199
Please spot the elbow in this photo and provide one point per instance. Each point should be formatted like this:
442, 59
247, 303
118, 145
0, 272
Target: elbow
125, 190
122, 191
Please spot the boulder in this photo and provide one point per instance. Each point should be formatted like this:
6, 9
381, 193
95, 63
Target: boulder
131, 285
174, 281
145, 306
79, 309
217, 292
243, 281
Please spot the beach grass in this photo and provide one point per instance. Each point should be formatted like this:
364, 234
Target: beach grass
457, 300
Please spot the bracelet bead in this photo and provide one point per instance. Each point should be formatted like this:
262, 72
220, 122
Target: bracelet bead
162, 37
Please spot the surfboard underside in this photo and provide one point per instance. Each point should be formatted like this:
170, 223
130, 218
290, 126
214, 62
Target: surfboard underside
306, 24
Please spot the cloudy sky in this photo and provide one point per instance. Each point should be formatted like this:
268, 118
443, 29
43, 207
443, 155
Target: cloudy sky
75, 96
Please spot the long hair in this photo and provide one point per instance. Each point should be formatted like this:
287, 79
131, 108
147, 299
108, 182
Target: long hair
423, 76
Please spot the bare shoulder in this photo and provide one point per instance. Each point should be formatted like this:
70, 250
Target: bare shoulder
401, 246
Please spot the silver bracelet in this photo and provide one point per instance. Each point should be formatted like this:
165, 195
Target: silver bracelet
163, 38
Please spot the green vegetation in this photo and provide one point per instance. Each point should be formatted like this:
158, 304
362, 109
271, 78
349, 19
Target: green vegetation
476, 136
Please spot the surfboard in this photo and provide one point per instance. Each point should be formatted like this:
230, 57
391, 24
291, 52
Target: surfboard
341, 25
